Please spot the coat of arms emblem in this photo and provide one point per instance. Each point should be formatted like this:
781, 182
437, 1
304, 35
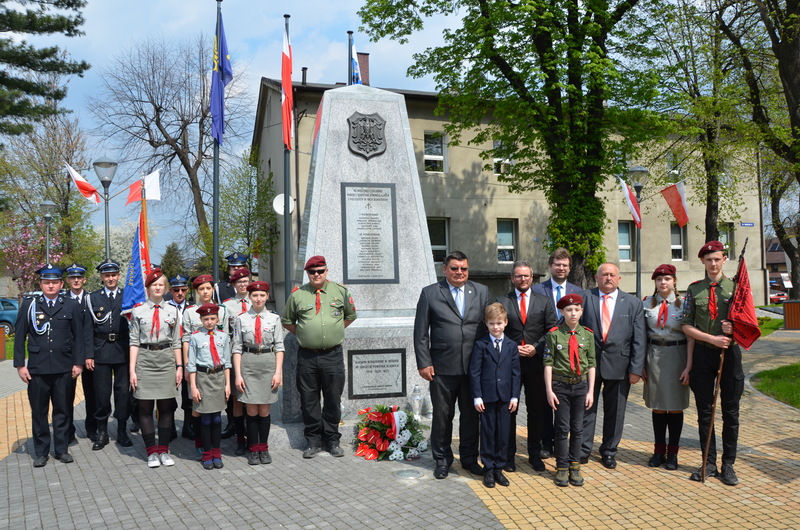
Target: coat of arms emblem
366, 134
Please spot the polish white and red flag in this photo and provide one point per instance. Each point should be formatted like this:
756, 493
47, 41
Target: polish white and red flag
633, 204
675, 196
152, 188
287, 96
86, 189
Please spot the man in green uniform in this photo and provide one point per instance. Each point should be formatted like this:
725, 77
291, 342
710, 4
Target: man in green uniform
704, 319
317, 314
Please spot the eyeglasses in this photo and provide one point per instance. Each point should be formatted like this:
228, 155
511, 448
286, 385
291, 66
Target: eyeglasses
180, 289
521, 276
456, 269
314, 272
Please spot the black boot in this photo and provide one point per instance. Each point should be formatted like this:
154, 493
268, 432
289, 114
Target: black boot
102, 437
122, 436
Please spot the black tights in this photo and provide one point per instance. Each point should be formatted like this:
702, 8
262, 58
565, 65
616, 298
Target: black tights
166, 415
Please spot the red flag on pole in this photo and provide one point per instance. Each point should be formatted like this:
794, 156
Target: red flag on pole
144, 252
287, 97
633, 204
742, 311
675, 196
152, 188
86, 189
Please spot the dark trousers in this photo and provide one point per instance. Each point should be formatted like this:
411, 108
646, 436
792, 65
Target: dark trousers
568, 428
446, 390
321, 374
108, 377
495, 422
615, 401
536, 403
42, 391
705, 365
90, 401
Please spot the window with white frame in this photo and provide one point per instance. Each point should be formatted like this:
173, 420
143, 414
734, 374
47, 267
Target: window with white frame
506, 240
438, 230
677, 242
625, 230
727, 239
501, 165
434, 152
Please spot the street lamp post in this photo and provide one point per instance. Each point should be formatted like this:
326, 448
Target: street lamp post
48, 208
638, 174
105, 169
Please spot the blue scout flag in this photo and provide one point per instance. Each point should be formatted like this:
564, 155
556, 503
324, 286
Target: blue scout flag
221, 75
134, 293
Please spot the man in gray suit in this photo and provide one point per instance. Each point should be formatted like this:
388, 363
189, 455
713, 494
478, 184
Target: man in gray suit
617, 320
449, 320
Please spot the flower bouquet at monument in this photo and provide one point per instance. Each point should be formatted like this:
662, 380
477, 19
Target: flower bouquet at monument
387, 431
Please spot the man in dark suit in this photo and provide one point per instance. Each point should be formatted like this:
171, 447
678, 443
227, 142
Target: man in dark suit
76, 279
53, 326
556, 287
617, 319
448, 321
109, 361
530, 316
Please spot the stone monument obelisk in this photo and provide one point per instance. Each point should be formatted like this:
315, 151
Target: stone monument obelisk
364, 213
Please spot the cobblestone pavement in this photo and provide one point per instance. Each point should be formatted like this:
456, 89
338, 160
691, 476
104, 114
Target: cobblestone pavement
114, 487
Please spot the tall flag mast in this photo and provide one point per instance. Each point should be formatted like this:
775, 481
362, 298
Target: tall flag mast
287, 107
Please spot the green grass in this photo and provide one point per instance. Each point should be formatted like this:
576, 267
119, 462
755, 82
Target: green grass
780, 383
768, 325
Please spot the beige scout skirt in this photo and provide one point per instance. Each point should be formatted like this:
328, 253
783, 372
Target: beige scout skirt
257, 372
212, 392
663, 389
155, 370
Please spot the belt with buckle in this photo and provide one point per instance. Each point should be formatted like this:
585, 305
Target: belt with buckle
257, 349
110, 337
326, 350
662, 342
211, 369
570, 380
157, 346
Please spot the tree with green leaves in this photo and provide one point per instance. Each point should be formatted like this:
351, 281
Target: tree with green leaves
24, 96
560, 102
172, 262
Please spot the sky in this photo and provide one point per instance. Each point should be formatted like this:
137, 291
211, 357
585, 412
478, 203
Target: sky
254, 31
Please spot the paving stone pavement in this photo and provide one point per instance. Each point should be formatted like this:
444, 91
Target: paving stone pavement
114, 488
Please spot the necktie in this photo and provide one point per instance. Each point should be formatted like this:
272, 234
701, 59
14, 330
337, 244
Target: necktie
111, 296
574, 356
663, 314
259, 338
523, 308
319, 302
50, 304
214, 353
244, 305
606, 316
712, 301
156, 325
497, 345
459, 301
558, 297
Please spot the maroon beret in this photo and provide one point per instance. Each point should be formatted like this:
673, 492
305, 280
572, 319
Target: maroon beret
663, 270
153, 276
315, 261
207, 309
258, 286
711, 246
200, 280
238, 274
569, 299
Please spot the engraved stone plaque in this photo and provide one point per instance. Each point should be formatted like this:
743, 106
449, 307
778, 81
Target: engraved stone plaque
376, 373
369, 219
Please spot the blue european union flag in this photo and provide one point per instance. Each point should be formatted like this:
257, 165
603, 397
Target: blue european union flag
133, 293
221, 75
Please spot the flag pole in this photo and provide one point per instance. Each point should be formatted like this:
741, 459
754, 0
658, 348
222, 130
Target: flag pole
287, 216
215, 189
350, 57
146, 235
717, 384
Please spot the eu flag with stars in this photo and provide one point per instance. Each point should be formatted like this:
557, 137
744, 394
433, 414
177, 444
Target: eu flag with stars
221, 75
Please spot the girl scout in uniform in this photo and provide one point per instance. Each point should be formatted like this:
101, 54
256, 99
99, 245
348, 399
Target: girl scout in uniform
258, 363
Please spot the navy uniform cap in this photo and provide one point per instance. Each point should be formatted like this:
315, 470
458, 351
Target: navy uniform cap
76, 271
237, 259
178, 281
49, 272
108, 265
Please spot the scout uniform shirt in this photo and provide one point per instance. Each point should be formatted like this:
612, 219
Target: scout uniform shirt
191, 321
142, 325
324, 329
244, 331
556, 353
200, 350
233, 308
695, 310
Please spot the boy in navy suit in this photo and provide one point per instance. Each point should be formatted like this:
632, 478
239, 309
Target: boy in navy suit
495, 379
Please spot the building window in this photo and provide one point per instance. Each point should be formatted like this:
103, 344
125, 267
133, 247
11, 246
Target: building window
677, 241
673, 166
726, 238
439, 234
506, 240
625, 229
434, 152
502, 166
775, 268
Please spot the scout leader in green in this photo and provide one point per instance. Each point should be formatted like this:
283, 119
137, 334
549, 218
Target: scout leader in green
317, 313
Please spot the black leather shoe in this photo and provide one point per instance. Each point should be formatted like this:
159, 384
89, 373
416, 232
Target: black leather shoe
609, 462
241, 449
488, 480
440, 472
500, 478
102, 439
544, 454
510, 468
537, 464
474, 468
711, 472
65, 458
123, 439
584, 460
134, 426
229, 430
335, 450
311, 451
728, 475
93, 436
672, 462
40, 461
656, 460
